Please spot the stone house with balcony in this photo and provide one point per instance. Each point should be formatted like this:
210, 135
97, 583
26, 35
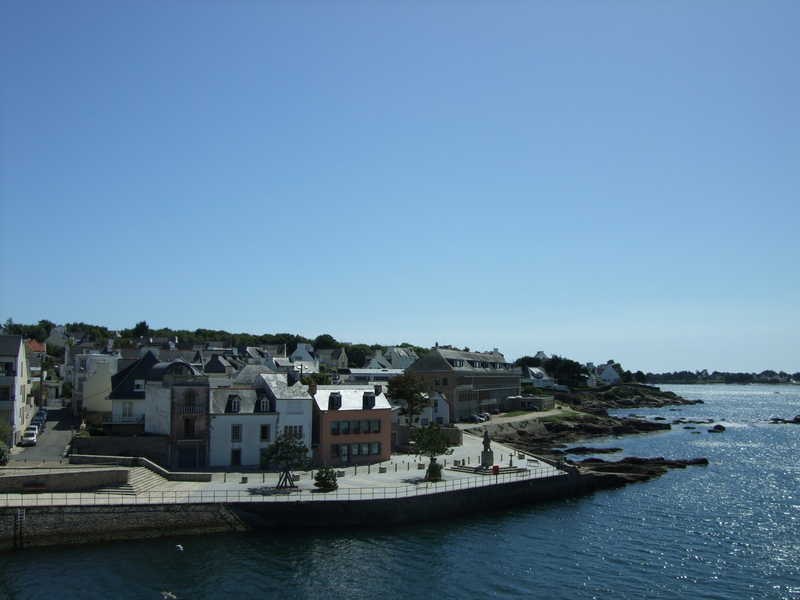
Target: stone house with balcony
472, 382
16, 408
352, 425
177, 405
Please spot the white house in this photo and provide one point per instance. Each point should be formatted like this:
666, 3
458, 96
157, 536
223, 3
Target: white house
401, 358
438, 411
304, 353
15, 407
292, 403
242, 424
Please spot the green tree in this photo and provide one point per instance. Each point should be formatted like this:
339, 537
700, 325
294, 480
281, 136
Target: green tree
288, 453
528, 361
409, 392
6, 431
566, 371
640, 377
141, 329
430, 442
325, 342
325, 479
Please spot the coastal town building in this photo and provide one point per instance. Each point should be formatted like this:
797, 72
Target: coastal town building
537, 377
291, 400
472, 382
332, 359
352, 425
243, 422
15, 407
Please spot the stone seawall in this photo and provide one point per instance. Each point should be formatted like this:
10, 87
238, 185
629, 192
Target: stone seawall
38, 526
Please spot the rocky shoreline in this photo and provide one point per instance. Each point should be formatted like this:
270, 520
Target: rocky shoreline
556, 438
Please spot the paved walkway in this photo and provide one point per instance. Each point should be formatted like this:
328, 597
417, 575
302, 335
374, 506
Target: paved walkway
402, 477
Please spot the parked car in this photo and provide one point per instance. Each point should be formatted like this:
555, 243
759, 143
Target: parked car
29, 438
487, 416
479, 418
34, 428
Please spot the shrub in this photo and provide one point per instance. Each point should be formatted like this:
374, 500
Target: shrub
325, 479
5, 454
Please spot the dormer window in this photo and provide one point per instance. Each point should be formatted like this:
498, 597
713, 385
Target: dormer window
236, 404
138, 385
265, 405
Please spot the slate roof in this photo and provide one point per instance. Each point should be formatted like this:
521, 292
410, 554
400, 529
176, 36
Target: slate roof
249, 374
277, 382
122, 382
10, 345
221, 400
439, 359
351, 399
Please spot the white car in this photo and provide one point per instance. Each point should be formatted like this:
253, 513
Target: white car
29, 438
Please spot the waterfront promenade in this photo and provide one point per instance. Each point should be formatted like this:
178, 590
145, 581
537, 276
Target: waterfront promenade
400, 477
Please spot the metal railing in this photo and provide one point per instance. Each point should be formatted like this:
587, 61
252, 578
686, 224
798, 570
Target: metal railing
271, 494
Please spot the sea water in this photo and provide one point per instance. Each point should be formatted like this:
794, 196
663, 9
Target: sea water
727, 531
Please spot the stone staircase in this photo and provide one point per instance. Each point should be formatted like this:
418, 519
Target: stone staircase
141, 480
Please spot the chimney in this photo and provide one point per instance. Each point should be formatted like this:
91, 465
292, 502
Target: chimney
378, 389
312, 389
368, 401
335, 401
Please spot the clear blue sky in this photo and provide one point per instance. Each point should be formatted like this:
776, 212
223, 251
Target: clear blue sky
599, 180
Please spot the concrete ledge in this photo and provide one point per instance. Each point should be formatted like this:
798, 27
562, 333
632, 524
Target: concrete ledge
49, 480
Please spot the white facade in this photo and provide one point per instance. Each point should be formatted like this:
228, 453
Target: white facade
97, 386
15, 407
248, 439
157, 408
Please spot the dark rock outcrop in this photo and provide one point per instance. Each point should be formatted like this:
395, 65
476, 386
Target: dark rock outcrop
632, 469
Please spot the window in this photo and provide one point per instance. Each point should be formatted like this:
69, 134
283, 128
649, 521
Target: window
236, 405
335, 428
345, 427
355, 449
376, 447
265, 433
138, 385
438, 381
444, 380
188, 428
356, 426
293, 430
424, 421
365, 449
127, 410
365, 427
189, 398
376, 427
436, 406
236, 433
334, 450
265, 405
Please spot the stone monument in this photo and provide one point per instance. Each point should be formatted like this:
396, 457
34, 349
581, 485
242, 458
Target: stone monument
487, 456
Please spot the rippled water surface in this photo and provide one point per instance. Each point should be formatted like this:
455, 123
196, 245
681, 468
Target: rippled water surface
727, 531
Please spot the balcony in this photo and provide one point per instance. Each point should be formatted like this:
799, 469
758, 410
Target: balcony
185, 380
192, 409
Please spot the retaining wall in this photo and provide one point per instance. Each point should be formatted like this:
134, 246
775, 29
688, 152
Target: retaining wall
81, 524
66, 481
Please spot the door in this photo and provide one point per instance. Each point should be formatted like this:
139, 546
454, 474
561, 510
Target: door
345, 453
236, 457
